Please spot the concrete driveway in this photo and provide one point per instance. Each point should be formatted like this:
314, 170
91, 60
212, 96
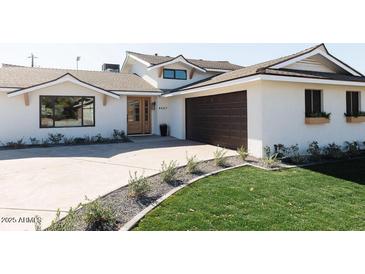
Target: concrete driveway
39, 181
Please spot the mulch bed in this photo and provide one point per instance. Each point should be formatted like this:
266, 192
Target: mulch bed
126, 207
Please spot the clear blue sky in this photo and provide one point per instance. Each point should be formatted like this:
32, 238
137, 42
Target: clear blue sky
94, 55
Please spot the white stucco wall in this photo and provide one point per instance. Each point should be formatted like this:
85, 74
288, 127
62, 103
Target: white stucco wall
20, 121
276, 113
284, 114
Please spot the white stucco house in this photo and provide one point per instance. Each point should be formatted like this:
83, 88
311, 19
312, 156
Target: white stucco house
307, 96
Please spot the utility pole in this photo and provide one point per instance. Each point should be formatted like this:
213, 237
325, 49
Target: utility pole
32, 57
77, 62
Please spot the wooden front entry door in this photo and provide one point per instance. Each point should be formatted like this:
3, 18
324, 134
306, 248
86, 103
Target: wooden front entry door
139, 115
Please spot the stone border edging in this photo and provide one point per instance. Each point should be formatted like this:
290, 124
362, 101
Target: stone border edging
135, 220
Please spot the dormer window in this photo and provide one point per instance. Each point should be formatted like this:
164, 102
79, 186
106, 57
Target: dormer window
178, 74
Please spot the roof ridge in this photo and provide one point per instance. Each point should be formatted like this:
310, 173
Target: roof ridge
62, 69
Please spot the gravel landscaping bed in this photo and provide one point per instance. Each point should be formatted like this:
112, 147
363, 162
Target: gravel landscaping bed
126, 207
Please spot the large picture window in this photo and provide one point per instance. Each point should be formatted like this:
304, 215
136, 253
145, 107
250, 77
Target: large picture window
67, 111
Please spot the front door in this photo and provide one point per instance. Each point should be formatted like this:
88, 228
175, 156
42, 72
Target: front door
139, 115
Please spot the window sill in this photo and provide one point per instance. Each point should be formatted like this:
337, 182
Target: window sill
353, 119
316, 120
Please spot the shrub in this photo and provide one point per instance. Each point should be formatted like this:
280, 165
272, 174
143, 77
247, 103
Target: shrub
67, 223
45, 143
37, 223
242, 152
352, 149
333, 151
119, 135
69, 140
168, 172
138, 185
34, 141
315, 151
293, 153
267, 151
99, 217
79, 140
271, 161
98, 139
18, 144
280, 150
191, 164
55, 138
319, 114
219, 157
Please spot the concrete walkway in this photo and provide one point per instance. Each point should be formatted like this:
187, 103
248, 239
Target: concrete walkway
38, 181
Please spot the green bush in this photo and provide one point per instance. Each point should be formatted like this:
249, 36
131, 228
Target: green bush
352, 149
69, 140
271, 161
314, 151
137, 185
119, 135
168, 171
191, 164
15, 145
333, 151
55, 138
219, 157
44, 143
242, 152
99, 217
34, 141
67, 223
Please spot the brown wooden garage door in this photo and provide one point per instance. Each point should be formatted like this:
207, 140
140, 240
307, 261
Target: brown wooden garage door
218, 119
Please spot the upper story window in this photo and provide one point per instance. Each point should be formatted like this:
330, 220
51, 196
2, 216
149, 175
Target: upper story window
313, 103
178, 74
352, 103
67, 111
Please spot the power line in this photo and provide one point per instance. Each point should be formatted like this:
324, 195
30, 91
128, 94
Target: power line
32, 57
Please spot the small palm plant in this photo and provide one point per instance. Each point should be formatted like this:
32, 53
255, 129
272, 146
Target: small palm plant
192, 164
242, 152
219, 157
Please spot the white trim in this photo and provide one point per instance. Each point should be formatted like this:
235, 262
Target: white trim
312, 53
218, 70
65, 78
138, 59
178, 59
215, 86
140, 93
311, 80
264, 77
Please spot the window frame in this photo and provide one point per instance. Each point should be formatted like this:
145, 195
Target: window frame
174, 72
312, 102
53, 111
351, 92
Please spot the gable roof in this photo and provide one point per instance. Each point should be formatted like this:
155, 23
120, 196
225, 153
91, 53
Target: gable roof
205, 64
17, 77
266, 68
64, 78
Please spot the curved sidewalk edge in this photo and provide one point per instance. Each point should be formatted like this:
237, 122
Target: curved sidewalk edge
135, 220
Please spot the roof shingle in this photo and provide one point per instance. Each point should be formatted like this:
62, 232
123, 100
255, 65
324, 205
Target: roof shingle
22, 77
157, 59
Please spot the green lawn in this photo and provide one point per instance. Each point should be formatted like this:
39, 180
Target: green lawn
324, 197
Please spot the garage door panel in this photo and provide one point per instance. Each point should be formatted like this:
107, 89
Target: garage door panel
218, 119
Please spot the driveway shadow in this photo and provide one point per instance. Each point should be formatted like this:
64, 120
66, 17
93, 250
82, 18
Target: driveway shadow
350, 170
97, 150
